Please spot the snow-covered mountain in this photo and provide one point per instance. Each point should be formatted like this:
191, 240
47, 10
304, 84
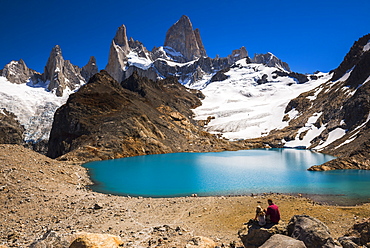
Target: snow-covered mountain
245, 98
34, 97
251, 101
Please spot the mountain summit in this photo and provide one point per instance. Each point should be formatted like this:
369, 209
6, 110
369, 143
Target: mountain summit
183, 39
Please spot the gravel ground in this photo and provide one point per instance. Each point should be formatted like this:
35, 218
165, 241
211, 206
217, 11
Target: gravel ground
39, 194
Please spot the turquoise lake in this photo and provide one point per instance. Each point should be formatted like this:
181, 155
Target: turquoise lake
230, 173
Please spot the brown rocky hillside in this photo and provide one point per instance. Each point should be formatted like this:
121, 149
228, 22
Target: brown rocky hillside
106, 120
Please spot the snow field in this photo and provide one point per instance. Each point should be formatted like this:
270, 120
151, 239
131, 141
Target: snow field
243, 108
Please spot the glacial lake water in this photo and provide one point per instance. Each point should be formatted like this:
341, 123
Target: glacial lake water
230, 173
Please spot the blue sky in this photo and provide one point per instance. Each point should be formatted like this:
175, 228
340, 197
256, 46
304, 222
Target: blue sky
308, 35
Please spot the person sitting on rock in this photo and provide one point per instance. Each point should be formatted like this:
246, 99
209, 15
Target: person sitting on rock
272, 212
260, 216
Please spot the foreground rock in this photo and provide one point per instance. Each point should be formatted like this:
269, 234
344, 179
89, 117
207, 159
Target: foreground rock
301, 231
253, 236
311, 231
92, 240
358, 235
282, 241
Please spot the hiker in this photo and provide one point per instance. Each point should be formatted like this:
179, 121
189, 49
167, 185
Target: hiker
272, 212
260, 216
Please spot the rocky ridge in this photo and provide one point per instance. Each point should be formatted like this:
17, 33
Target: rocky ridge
17, 72
183, 55
59, 74
106, 120
34, 97
337, 113
127, 56
270, 60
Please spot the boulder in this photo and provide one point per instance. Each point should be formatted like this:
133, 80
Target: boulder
359, 235
94, 240
311, 231
201, 242
282, 241
349, 242
50, 240
253, 236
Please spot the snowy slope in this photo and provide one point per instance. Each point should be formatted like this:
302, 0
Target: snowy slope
244, 109
33, 105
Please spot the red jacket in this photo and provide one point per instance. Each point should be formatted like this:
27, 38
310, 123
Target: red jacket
274, 213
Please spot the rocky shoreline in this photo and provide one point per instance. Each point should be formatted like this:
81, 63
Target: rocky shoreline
41, 195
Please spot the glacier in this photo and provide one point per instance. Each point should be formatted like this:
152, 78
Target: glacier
243, 109
33, 105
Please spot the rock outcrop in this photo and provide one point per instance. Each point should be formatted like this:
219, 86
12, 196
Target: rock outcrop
119, 50
90, 69
106, 120
238, 54
17, 72
60, 73
270, 60
11, 131
358, 235
185, 41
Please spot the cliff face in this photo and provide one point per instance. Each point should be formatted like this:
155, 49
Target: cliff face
105, 120
60, 73
183, 39
182, 45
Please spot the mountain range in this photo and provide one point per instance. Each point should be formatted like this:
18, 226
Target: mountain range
175, 98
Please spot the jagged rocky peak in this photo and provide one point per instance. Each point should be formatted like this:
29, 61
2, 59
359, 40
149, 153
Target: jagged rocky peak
238, 54
60, 73
119, 49
270, 60
354, 68
89, 69
17, 72
139, 49
183, 43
